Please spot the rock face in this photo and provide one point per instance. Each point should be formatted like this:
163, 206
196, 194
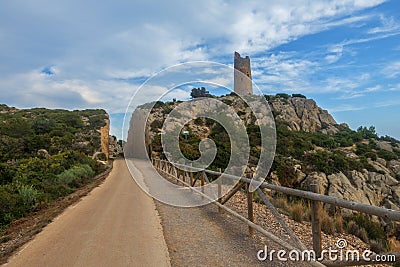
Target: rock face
365, 187
304, 114
104, 137
113, 146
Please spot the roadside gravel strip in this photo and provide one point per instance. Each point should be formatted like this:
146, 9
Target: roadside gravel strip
115, 225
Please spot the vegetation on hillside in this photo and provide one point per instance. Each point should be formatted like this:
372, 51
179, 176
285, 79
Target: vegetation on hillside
44, 154
344, 151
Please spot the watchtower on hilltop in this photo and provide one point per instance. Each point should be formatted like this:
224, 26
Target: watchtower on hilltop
242, 85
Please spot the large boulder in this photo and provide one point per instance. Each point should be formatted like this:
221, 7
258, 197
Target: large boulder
304, 114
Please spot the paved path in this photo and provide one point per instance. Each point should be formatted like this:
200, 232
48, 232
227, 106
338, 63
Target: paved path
115, 225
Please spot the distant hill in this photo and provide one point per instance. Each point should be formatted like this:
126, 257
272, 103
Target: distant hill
29, 130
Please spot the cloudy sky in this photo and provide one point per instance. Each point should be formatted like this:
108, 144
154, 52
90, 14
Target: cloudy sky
345, 54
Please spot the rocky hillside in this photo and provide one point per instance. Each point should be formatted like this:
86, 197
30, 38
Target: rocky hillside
47, 154
42, 131
303, 114
356, 165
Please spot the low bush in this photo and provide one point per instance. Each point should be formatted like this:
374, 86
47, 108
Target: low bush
387, 155
75, 174
368, 231
29, 195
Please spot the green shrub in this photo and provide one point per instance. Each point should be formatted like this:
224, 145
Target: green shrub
367, 133
227, 101
75, 174
362, 149
299, 95
83, 171
241, 113
67, 177
374, 230
282, 95
198, 121
11, 206
155, 125
329, 163
397, 152
29, 195
370, 154
52, 191
166, 110
364, 163
285, 171
387, 155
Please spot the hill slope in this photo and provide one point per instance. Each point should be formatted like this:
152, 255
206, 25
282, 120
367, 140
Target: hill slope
46, 154
311, 148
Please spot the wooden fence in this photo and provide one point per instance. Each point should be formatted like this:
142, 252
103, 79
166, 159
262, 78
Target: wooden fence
188, 175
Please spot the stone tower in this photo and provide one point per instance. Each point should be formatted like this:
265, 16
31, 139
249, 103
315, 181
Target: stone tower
242, 85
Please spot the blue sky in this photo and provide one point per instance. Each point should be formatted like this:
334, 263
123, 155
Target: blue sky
345, 54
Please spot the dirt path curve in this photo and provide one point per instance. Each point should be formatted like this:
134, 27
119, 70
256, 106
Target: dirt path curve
115, 225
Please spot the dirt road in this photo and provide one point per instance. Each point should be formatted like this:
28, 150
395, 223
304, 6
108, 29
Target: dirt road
115, 225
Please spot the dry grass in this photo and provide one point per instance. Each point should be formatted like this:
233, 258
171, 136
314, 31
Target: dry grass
299, 211
281, 203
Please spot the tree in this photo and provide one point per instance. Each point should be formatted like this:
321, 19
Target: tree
299, 95
367, 132
199, 92
282, 95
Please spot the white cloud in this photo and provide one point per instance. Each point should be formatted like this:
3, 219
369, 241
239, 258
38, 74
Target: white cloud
373, 88
335, 53
387, 25
97, 51
395, 87
345, 107
38, 89
392, 70
280, 22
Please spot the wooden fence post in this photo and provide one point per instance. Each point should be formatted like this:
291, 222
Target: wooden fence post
220, 190
203, 174
250, 211
191, 174
315, 221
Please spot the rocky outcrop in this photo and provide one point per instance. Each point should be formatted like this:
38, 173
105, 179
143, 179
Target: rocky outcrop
113, 147
104, 137
365, 187
304, 114
385, 145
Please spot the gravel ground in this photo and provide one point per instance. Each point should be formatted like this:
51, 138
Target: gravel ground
202, 237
